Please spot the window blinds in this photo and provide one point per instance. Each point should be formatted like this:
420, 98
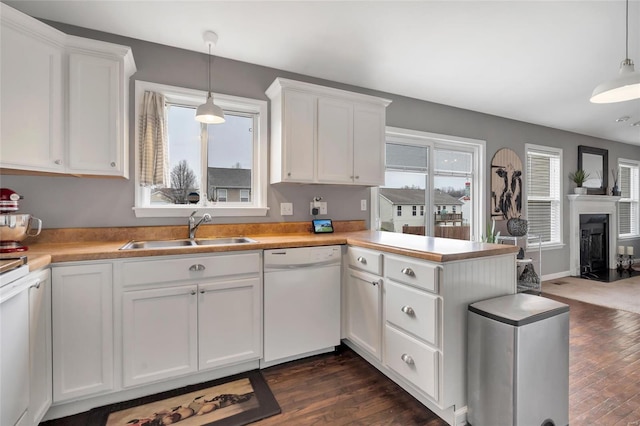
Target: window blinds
628, 210
543, 194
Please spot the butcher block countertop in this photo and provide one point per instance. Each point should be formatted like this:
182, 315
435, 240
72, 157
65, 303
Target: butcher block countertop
82, 244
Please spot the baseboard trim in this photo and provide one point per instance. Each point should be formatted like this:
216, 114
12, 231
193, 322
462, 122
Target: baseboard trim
556, 275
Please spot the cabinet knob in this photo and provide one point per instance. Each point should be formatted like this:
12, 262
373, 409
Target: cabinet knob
409, 272
58, 162
362, 260
289, 174
357, 177
408, 310
202, 291
351, 177
407, 359
113, 164
193, 292
197, 267
375, 282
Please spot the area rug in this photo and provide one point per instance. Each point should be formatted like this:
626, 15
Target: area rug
233, 401
623, 294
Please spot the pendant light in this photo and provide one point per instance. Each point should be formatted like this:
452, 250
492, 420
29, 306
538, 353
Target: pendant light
623, 88
208, 112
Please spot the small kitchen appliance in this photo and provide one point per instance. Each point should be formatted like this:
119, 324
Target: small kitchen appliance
15, 227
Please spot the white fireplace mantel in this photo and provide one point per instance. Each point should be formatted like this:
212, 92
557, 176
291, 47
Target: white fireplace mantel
591, 204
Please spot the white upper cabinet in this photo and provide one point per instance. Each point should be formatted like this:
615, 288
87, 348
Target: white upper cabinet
98, 107
64, 101
325, 135
31, 68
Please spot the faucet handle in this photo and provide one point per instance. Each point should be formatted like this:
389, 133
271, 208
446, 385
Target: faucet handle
193, 213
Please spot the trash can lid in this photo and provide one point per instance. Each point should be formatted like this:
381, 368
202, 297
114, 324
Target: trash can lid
518, 309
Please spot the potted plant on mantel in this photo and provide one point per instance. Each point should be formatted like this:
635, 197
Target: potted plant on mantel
579, 177
615, 191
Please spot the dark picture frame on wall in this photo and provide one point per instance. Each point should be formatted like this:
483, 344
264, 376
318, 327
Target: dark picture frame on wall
594, 161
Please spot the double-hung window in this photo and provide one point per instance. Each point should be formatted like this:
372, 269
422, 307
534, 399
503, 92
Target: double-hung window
544, 189
628, 206
215, 168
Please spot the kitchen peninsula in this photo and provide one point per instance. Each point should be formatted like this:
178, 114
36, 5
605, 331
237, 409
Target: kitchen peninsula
404, 300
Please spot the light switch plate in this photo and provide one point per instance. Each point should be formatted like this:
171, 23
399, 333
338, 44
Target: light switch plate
322, 207
363, 205
286, 209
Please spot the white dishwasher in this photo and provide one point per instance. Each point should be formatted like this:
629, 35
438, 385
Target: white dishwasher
301, 302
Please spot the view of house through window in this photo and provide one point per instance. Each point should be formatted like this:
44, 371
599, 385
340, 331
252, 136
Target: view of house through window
223, 165
428, 176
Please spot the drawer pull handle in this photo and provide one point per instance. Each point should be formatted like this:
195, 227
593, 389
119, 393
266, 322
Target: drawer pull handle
202, 291
375, 282
408, 271
408, 310
407, 359
193, 292
36, 285
362, 260
197, 267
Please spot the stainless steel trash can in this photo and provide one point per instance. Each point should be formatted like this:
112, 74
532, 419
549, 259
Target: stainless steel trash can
518, 362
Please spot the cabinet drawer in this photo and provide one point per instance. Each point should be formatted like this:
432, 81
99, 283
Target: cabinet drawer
409, 271
189, 268
413, 360
364, 259
412, 310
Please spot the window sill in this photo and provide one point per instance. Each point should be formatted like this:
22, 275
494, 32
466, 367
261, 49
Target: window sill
185, 211
553, 246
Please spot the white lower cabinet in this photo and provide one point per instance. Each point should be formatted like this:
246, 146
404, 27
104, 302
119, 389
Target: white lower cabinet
40, 366
363, 322
412, 324
202, 313
160, 334
412, 359
229, 318
82, 315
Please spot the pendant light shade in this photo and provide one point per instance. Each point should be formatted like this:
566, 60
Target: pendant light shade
208, 112
626, 86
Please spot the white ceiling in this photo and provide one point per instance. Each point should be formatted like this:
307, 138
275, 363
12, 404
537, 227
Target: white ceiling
534, 61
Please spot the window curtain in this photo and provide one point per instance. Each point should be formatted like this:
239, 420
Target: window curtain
154, 159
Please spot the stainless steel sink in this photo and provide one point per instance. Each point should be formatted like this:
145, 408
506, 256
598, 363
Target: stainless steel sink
168, 244
223, 241
157, 244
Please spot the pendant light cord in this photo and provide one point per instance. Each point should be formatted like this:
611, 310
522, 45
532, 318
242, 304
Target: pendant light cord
626, 35
209, 71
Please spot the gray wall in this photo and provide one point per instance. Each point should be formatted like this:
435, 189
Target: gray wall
92, 202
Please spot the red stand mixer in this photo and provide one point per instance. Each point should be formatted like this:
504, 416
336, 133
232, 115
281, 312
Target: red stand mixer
15, 227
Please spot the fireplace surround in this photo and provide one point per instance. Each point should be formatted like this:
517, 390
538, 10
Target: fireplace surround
600, 205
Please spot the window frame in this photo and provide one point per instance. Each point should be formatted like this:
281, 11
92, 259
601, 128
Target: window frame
633, 201
190, 97
435, 141
542, 149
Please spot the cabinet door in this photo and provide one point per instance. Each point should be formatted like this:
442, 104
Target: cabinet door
299, 129
335, 141
368, 144
40, 372
364, 312
159, 336
31, 103
95, 141
82, 314
229, 318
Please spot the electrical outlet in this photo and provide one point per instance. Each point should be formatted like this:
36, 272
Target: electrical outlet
363, 205
321, 206
286, 209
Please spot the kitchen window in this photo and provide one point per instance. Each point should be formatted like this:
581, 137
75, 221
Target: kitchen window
544, 186
628, 206
213, 168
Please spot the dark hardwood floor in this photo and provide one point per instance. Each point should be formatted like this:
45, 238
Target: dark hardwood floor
343, 389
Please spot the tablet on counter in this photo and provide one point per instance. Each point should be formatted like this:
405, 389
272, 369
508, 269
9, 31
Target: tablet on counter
322, 226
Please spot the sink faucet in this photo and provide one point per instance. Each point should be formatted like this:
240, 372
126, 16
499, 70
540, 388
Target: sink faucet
193, 226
